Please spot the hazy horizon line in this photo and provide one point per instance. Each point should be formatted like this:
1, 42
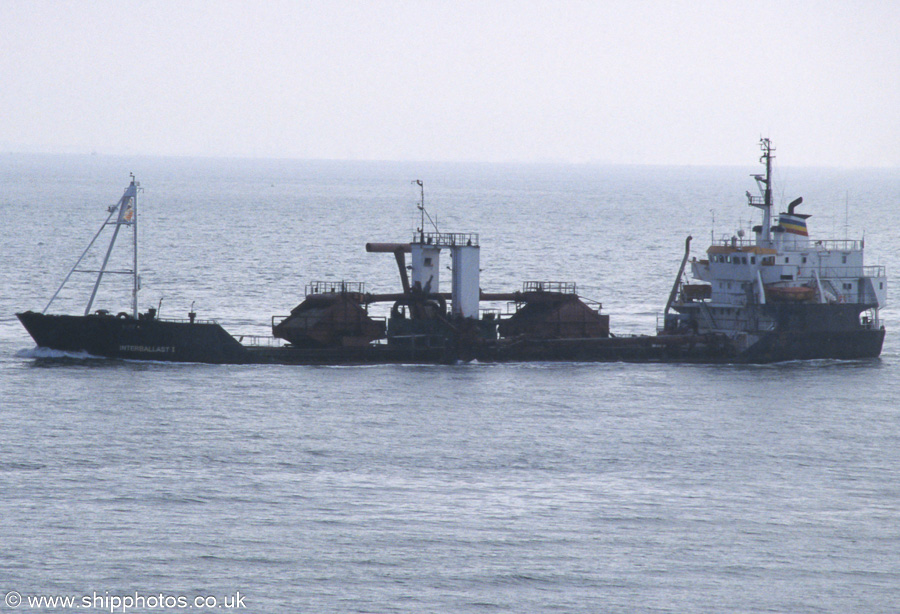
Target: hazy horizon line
27, 151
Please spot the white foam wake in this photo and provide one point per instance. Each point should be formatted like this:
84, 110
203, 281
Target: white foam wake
39, 352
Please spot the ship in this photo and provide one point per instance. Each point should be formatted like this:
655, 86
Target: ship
777, 297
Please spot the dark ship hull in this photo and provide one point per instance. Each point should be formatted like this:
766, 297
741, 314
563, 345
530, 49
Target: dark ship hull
799, 331
207, 342
807, 331
813, 345
125, 337
204, 342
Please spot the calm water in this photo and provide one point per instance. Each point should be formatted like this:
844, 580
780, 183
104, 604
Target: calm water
472, 488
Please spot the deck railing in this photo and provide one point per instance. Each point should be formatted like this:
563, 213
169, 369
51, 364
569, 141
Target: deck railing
446, 239
828, 245
335, 287
850, 272
563, 287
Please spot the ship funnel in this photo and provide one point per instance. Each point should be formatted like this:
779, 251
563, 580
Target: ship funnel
794, 226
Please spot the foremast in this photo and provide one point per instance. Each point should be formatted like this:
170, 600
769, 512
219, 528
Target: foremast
125, 213
764, 202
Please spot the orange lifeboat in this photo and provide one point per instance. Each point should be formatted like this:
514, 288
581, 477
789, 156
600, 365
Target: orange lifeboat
794, 294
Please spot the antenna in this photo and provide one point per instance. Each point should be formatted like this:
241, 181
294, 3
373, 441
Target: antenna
421, 206
846, 215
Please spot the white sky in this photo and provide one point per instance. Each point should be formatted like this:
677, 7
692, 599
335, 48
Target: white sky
693, 82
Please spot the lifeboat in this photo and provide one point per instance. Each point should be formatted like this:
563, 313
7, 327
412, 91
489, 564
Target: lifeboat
793, 294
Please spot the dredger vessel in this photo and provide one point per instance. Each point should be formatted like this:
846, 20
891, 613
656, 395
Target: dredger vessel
776, 296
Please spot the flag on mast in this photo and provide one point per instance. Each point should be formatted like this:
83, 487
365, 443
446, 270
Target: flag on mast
126, 205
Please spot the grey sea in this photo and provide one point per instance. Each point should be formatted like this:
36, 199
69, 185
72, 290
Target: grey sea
628, 488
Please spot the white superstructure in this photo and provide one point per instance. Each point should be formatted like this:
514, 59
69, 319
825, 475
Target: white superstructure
465, 275
754, 285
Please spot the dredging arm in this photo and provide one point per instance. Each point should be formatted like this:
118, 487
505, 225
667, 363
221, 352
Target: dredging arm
674, 293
